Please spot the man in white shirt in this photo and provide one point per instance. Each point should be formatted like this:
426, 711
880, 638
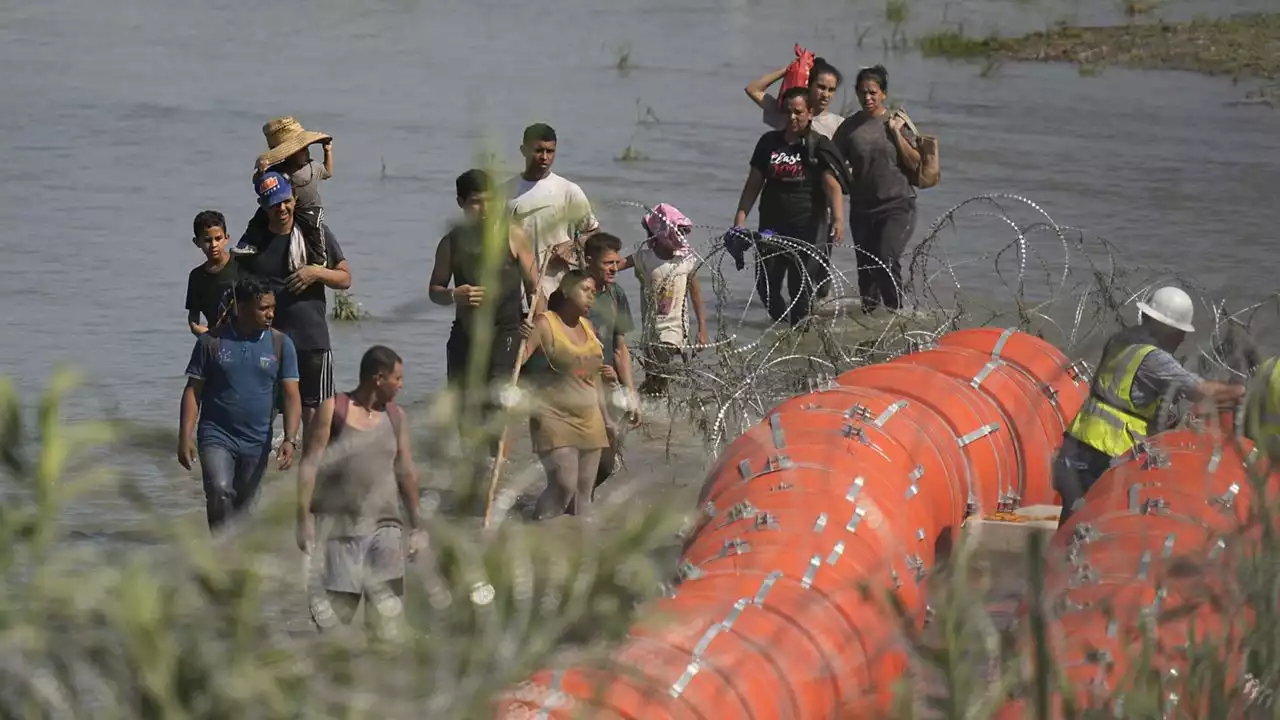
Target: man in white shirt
551, 209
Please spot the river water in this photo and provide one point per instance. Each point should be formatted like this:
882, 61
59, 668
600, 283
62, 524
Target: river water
121, 120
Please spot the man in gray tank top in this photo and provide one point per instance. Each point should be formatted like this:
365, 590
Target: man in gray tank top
359, 479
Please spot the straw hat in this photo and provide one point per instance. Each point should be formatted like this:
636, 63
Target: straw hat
286, 136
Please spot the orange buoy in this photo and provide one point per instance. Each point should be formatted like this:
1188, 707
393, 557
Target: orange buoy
1065, 384
1145, 557
1034, 424
816, 529
919, 434
980, 429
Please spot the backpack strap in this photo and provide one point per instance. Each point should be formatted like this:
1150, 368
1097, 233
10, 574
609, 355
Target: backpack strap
396, 415
277, 342
341, 404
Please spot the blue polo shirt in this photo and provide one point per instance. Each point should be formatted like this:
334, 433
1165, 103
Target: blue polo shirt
238, 401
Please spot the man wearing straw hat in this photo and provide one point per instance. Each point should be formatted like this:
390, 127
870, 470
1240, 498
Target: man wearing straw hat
1137, 371
280, 250
289, 154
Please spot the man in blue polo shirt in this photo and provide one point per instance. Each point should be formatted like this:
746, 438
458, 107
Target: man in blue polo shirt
232, 381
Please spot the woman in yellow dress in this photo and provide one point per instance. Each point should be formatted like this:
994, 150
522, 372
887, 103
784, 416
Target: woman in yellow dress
564, 365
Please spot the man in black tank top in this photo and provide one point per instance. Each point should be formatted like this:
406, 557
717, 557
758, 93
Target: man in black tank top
489, 300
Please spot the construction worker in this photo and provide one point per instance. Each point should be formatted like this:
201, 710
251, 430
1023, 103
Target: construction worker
1136, 372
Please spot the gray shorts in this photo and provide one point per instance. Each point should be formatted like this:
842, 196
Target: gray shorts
359, 563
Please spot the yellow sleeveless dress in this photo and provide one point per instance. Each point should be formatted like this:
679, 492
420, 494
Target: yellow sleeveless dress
565, 381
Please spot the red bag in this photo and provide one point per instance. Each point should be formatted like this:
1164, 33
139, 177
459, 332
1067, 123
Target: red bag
797, 74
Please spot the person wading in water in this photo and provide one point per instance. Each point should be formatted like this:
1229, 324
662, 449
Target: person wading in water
359, 479
233, 378
798, 176
570, 425
277, 252
483, 346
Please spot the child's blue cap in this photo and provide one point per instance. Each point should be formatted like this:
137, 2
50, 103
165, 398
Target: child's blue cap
273, 189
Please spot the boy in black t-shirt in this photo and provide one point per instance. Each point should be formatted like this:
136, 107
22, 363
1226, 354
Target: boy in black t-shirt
210, 285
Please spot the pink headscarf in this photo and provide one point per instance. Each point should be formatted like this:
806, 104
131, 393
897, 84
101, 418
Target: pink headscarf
668, 228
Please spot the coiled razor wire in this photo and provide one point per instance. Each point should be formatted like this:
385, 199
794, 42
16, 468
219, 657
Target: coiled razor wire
1056, 281
994, 259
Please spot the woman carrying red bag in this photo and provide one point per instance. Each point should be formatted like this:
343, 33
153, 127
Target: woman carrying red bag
823, 81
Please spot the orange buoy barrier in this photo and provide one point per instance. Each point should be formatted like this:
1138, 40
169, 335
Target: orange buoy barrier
816, 530
1143, 559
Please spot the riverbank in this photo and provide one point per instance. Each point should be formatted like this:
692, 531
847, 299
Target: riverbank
1246, 46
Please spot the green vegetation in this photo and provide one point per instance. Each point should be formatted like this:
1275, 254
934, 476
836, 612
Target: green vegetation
346, 308
955, 44
193, 628
1242, 46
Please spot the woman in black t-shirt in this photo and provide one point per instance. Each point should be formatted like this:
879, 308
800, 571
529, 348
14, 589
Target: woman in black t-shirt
798, 176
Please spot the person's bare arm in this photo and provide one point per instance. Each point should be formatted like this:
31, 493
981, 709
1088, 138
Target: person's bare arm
699, 316
407, 473
441, 275
627, 263
756, 88
906, 150
337, 277
311, 457
193, 323
747, 200
522, 250
187, 415
622, 355
835, 201
292, 413
1219, 393
328, 156
534, 339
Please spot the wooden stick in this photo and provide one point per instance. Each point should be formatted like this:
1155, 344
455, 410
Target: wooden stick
515, 376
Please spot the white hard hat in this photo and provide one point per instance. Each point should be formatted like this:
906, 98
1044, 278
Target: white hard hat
1170, 306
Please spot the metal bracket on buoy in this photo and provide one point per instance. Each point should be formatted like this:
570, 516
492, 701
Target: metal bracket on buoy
1155, 506
889, 412
695, 659
821, 523
1004, 338
1084, 575
854, 521
741, 510
688, 571
775, 428
1079, 370
978, 434
982, 375
855, 489
1083, 533
766, 521
734, 546
914, 476
1008, 502
1227, 500
916, 564
858, 412
854, 432
1218, 547
1144, 564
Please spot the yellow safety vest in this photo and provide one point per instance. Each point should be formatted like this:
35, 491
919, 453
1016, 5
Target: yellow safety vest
1109, 421
1262, 408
